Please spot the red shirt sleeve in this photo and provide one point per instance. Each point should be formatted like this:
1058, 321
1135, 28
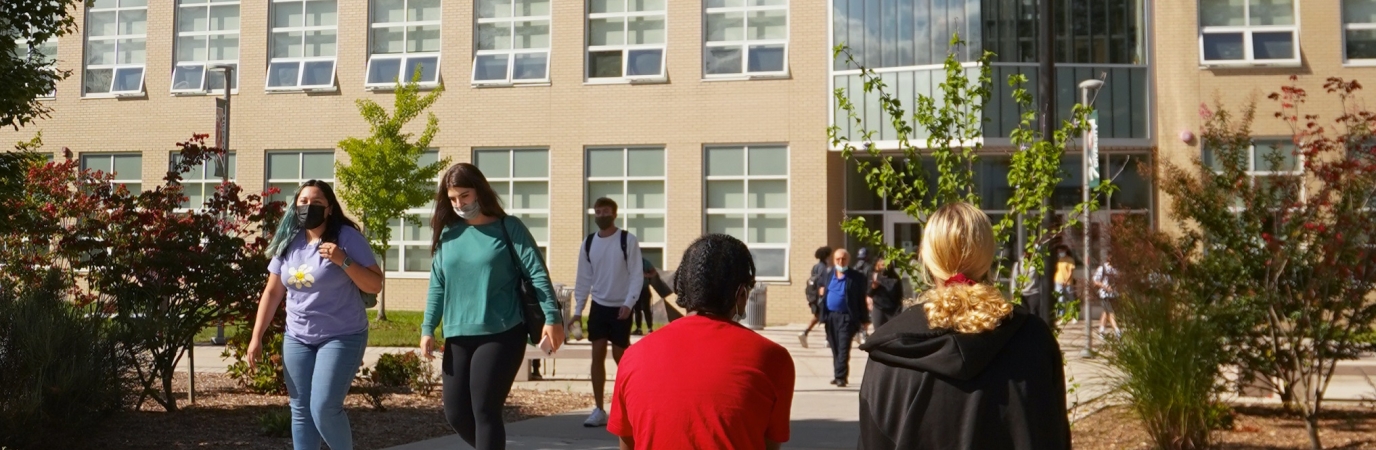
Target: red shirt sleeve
781, 376
619, 423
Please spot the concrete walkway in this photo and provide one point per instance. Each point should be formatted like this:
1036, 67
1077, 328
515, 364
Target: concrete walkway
823, 416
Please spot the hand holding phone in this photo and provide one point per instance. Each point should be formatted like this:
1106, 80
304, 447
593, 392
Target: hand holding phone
546, 346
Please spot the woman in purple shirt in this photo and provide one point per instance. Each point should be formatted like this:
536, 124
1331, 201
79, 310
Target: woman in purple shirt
320, 263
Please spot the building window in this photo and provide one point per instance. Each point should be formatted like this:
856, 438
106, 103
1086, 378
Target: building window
41, 52
634, 178
1359, 31
1086, 31
199, 184
410, 240
287, 170
746, 37
126, 168
1248, 32
405, 38
207, 36
304, 38
512, 42
747, 197
116, 41
626, 39
1267, 161
521, 179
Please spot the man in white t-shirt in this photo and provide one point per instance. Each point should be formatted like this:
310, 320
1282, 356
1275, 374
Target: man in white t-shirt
1104, 280
606, 272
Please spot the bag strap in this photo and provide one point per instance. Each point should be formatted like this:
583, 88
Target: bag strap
587, 248
511, 249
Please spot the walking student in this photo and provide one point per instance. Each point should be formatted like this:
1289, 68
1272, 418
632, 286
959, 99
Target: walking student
1065, 280
886, 293
819, 272
966, 370
652, 280
610, 269
1031, 289
1108, 295
705, 381
320, 263
480, 256
843, 300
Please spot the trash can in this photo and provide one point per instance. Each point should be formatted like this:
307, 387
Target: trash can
754, 307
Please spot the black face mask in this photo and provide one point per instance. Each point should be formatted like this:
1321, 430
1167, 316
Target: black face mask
310, 216
605, 222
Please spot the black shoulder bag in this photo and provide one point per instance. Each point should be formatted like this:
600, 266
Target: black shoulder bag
530, 301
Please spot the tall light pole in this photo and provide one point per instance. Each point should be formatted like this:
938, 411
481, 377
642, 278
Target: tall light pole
1091, 151
1046, 119
222, 141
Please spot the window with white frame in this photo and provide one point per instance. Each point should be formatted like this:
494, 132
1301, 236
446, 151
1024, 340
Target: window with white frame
207, 36
1248, 32
511, 42
626, 39
287, 170
405, 38
1267, 161
116, 47
42, 52
521, 178
305, 34
410, 240
1359, 31
199, 184
747, 197
634, 179
746, 37
126, 168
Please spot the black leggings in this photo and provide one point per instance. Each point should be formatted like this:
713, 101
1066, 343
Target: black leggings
642, 311
478, 372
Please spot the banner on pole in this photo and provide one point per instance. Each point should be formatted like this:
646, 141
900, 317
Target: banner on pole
221, 128
1092, 149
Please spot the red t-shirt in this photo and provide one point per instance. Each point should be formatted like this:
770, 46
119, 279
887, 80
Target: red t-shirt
703, 383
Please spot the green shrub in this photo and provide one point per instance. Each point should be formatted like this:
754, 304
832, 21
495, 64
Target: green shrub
60, 370
395, 372
275, 423
268, 377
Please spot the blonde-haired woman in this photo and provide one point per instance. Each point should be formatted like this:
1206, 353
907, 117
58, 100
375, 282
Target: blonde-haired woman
966, 370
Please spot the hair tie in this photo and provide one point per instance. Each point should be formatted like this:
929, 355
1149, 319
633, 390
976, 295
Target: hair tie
960, 278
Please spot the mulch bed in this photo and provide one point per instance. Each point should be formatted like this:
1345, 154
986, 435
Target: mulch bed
1255, 427
225, 416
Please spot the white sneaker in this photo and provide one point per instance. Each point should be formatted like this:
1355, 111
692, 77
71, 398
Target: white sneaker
598, 418
802, 339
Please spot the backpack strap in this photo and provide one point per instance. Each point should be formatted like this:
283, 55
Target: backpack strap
624, 256
587, 247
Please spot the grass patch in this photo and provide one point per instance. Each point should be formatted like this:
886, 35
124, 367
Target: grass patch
402, 329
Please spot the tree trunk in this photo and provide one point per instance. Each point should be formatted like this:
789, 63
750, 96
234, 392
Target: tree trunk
382, 294
1311, 425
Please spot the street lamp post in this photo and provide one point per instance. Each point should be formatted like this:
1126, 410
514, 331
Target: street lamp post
222, 132
1085, 87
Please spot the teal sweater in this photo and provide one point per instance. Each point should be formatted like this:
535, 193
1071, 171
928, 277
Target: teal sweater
474, 284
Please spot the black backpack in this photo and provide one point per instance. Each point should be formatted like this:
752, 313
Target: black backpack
587, 247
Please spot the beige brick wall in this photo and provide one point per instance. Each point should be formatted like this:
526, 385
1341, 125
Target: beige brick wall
567, 116
1183, 85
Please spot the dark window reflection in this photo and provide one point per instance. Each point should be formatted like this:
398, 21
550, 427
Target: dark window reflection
1087, 31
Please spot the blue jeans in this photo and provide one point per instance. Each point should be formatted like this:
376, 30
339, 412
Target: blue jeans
318, 377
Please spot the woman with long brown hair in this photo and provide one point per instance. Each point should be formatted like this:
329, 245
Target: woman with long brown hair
480, 257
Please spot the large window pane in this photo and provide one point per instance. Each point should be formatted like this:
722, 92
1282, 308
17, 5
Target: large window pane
725, 161
1272, 12
530, 163
768, 229
1223, 46
729, 224
770, 262
1361, 44
646, 227
645, 195
1222, 13
767, 161
768, 194
319, 166
723, 60
529, 195
608, 189
645, 162
1277, 45
725, 27
605, 163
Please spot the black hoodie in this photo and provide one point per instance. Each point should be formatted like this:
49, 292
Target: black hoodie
937, 389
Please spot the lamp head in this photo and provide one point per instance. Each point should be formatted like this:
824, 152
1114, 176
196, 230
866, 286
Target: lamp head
1091, 84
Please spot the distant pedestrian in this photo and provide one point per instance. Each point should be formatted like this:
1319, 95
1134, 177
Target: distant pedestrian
844, 311
704, 381
967, 370
1105, 279
320, 263
642, 306
1065, 282
611, 271
886, 293
814, 280
865, 266
1030, 289
480, 255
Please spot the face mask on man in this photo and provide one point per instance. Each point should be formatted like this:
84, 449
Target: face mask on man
469, 212
840, 267
605, 222
308, 217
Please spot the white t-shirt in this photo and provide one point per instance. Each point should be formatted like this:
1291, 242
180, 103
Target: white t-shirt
612, 278
1104, 275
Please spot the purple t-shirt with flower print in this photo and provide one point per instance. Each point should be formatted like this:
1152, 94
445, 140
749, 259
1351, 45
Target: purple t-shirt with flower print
322, 301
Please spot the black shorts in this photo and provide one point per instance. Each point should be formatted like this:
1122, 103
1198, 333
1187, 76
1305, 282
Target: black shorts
604, 324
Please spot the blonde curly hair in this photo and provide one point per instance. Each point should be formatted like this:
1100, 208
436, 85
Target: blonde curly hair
959, 240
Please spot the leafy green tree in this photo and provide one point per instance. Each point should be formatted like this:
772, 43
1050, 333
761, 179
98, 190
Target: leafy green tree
384, 177
1287, 264
27, 74
954, 124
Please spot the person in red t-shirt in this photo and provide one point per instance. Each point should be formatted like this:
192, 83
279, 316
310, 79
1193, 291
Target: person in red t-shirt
705, 381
